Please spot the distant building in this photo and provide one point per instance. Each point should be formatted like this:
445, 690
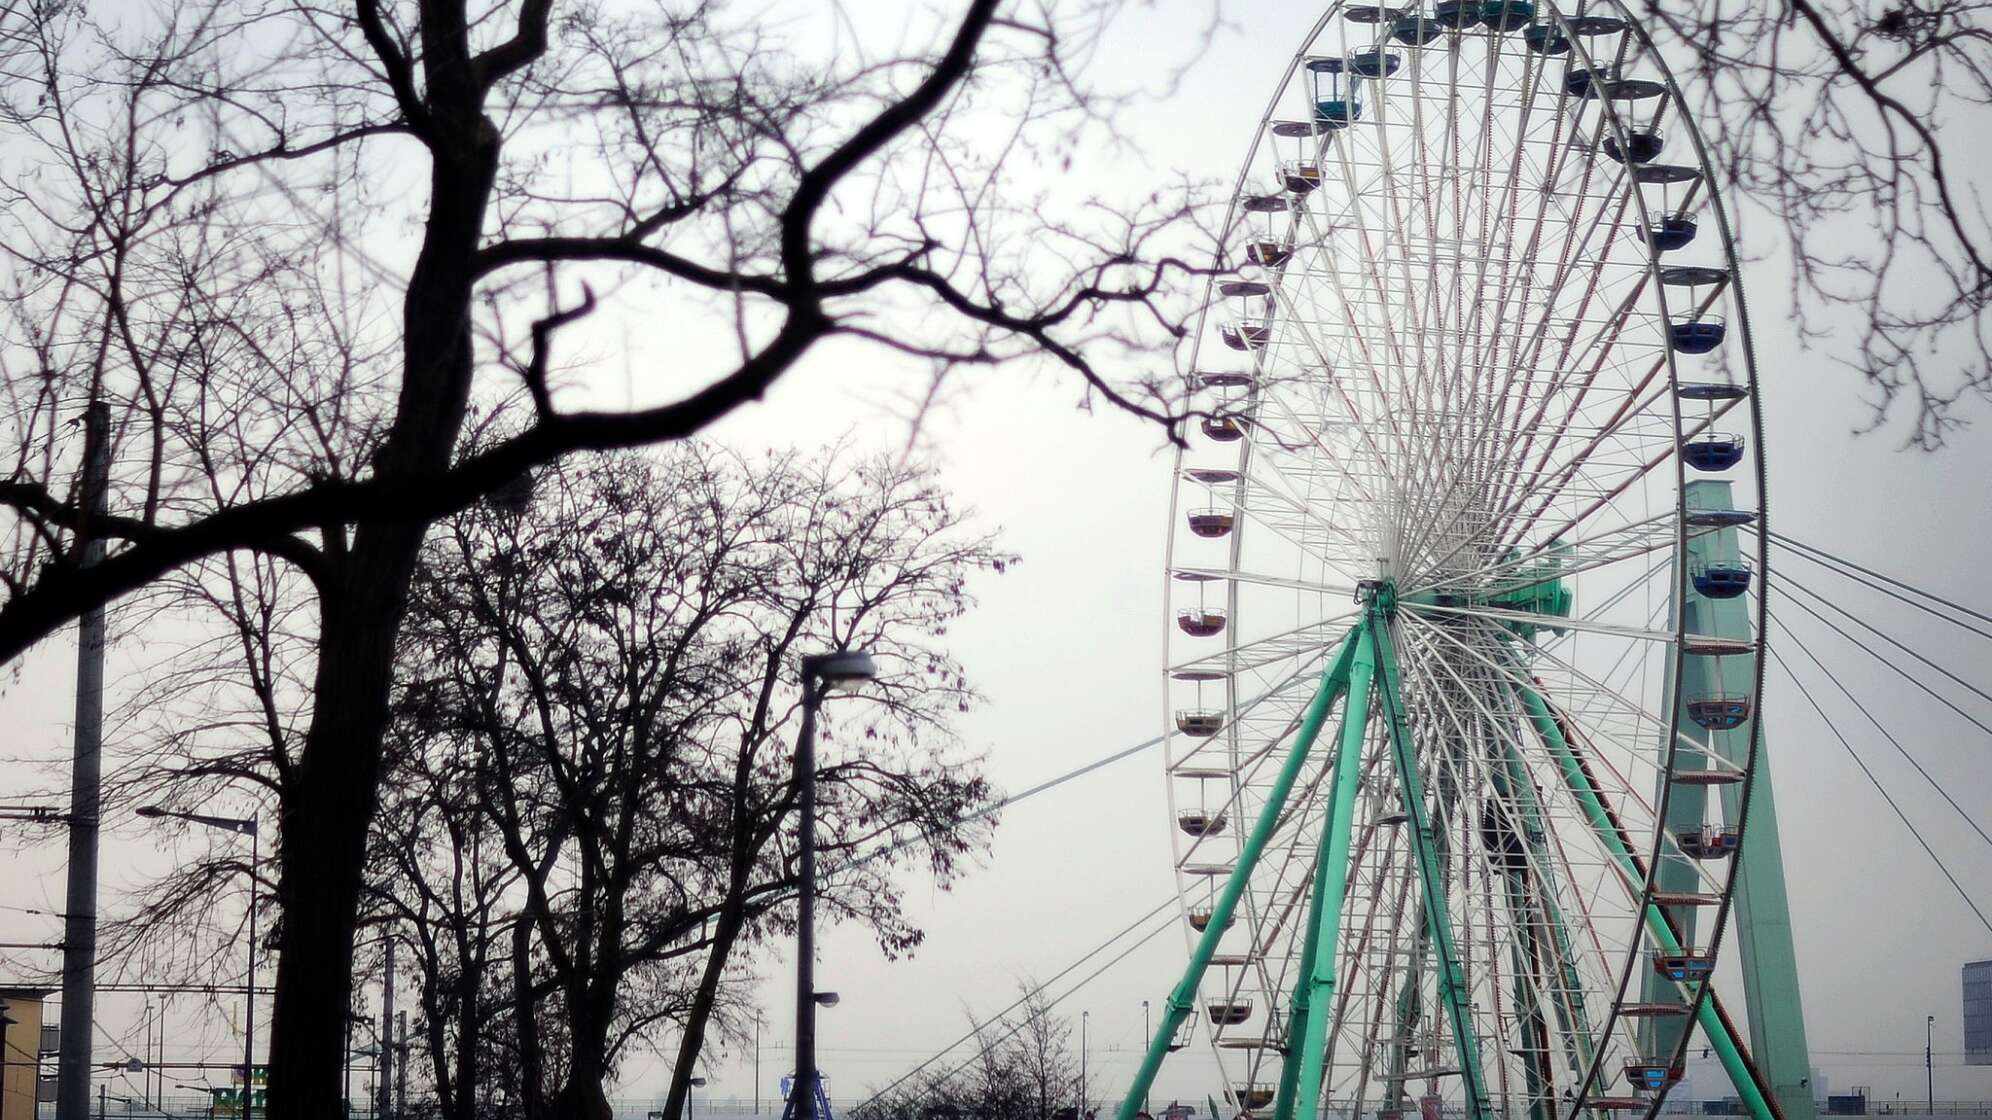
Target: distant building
20, 1064
1978, 1013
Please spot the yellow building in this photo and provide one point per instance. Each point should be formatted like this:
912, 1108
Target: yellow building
20, 1051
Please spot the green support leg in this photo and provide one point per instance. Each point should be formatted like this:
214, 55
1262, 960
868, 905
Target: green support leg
1453, 993
1182, 1000
1299, 1007
1332, 890
1719, 1036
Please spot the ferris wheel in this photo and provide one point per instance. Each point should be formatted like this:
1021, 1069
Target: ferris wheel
1465, 602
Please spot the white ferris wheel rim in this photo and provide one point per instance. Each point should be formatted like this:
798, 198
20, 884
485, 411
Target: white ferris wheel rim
1294, 645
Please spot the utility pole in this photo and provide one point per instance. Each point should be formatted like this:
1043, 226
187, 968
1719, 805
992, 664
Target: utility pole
249, 984
757, 1063
802, 1094
145, 1090
401, 1064
1083, 1016
79, 933
1144, 1042
384, 1039
1929, 1063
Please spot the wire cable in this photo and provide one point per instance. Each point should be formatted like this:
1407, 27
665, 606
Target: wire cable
1876, 783
1892, 666
976, 1029
1872, 629
1892, 741
1097, 764
1827, 560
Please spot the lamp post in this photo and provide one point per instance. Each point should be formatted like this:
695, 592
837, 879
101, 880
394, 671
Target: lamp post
1929, 1063
820, 673
1083, 1016
1144, 1040
245, 826
208, 1089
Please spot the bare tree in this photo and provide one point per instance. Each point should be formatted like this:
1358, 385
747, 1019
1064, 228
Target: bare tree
1023, 1068
1849, 125
290, 245
589, 751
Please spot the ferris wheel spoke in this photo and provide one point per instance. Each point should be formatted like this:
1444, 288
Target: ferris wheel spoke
1557, 558
1514, 927
1381, 419
1345, 591
1692, 429
1510, 484
1629, 707
1508, 716
1310, 639
1544, 621
1280, 449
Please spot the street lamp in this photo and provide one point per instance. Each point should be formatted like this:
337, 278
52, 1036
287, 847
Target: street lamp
208, 1089
1929, 1065
1083, 1016
657, 1114
245, 826
841, 669
1144, 1040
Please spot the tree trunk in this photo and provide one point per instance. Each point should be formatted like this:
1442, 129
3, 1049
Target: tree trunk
470, 1032
328, 809
692, 1040
583, 1096
525, 1026
326, 812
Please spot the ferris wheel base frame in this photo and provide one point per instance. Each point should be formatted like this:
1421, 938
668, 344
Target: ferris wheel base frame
1363, 669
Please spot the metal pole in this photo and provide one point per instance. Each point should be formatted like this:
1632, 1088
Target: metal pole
346, 1068
757, 1062
803, 1093
401, 1064
1756, 1101
79, 934
384, 1039
1453, 989
6, 1044
249, 985
1083, 1015
1144, 1034
1929, 1065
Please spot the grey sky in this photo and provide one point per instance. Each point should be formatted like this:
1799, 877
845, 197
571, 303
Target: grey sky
1067, 647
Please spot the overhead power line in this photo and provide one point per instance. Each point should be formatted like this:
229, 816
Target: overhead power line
976, 1029
1095, 765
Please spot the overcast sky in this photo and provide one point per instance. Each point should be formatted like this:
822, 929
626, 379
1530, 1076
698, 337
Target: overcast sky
1068, 645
